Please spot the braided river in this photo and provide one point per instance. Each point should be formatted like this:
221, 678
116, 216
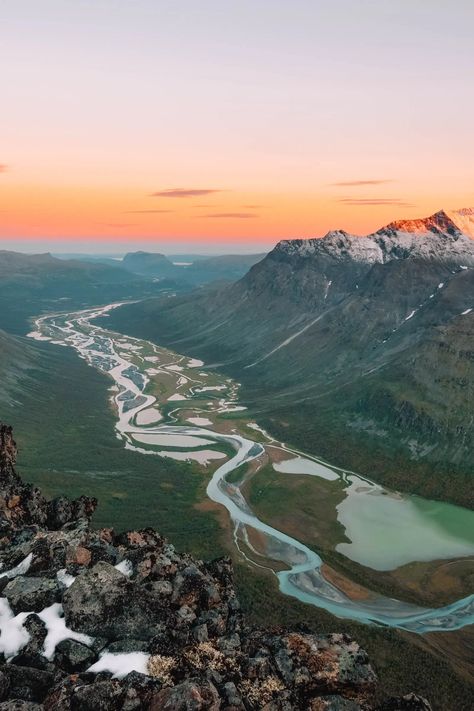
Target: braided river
384, 529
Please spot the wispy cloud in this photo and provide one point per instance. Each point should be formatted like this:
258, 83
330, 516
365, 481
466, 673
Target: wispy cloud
395, 202
352, 183
120, 225
253, 207
231, 215
144, 212
185, 192
3, 168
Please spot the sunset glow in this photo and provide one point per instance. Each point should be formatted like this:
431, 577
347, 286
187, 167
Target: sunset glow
218, 123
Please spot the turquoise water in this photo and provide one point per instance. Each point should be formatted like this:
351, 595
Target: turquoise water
388, 530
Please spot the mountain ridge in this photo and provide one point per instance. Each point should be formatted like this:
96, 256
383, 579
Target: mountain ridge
425, 237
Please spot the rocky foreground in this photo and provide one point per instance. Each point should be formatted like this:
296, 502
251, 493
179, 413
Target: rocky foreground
98, 621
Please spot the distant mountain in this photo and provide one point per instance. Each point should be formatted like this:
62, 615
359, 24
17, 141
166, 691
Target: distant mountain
94, 258
227, 267
350, 345
149, 264
30, 284
186, 270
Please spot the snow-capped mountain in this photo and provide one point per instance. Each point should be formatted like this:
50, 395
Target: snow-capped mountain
363, 343
441, 236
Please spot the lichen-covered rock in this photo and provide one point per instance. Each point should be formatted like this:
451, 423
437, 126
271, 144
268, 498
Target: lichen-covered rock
101, 696
189, 695
37, 630
31, 594
103, 601
27, 683
74, 656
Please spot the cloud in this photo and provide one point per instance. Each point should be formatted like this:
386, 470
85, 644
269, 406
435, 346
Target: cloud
232, 215
351, 183
120, 225
3, 168
185, 192
253, 207
395, 202
144, 212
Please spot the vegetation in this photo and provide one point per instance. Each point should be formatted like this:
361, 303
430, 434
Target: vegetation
64, 428
322, 432
399, 659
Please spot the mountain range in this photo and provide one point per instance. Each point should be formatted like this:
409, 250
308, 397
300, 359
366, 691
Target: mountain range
32, 283
358, 348
186, 271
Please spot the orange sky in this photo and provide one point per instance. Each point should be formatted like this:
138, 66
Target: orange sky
155, 122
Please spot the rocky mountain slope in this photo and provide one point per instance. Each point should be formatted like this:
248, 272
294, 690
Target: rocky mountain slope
93, 620
360, 338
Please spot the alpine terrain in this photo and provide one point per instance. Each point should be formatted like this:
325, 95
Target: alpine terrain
349, 345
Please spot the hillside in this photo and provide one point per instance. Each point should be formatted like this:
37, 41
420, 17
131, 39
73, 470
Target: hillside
16, 357
349, 345
30, 284
202, 270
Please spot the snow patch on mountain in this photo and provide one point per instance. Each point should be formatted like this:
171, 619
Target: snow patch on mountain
437, 237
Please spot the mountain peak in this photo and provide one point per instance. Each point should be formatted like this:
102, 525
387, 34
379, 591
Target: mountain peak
438, 223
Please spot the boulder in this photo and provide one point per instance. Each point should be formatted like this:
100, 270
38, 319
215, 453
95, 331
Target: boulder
324, 664
28, 684
59, 512
101, 696
31, 594
73, 656
191, 694
102, 601
37, 630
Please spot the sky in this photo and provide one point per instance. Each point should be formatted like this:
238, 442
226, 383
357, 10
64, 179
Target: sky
225, 126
